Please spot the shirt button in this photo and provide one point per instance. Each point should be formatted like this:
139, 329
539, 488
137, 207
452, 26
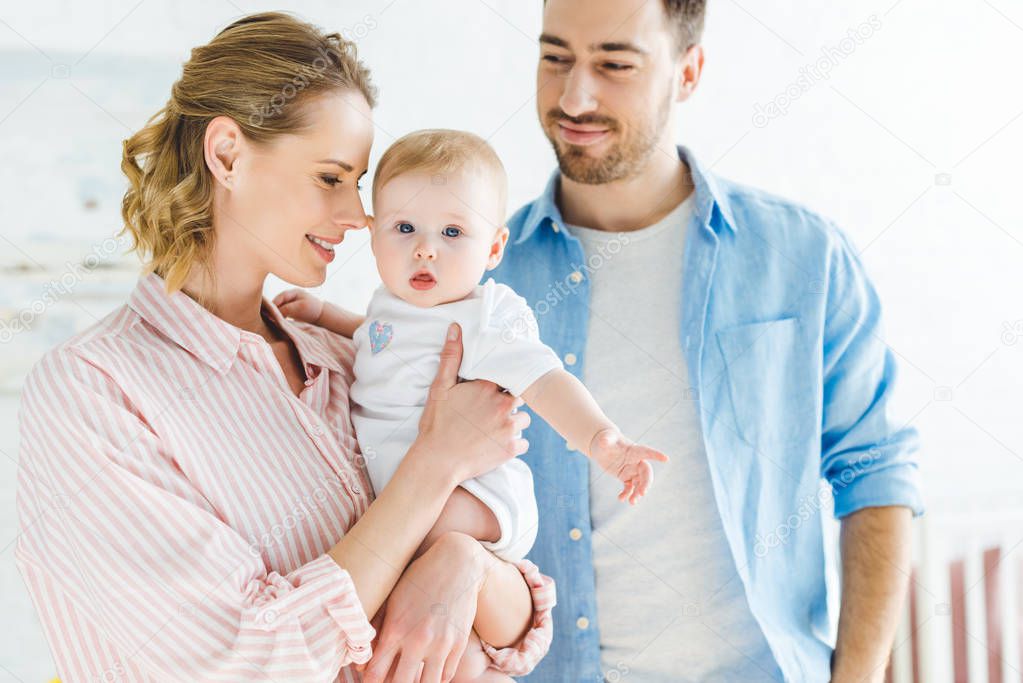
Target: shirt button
555, 227
575, 534
576, 277
583, 623
570, 359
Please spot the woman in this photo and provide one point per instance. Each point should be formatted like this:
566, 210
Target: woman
194, 505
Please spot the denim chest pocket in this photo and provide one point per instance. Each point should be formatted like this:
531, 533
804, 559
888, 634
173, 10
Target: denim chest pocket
771, 382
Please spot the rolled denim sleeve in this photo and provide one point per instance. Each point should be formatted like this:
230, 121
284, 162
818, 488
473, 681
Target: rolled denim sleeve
867, 457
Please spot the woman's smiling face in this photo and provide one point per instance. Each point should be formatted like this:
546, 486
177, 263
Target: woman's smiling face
283, 205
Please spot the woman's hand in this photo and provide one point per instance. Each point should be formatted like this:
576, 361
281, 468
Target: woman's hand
468, 428
430, 613
298, 304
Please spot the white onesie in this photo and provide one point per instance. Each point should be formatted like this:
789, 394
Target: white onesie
397, 356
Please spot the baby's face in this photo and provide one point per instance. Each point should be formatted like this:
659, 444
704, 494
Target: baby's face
434, 236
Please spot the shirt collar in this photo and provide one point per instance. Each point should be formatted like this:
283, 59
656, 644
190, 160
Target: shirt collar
308, 340
709, 200
211, 339
543, 208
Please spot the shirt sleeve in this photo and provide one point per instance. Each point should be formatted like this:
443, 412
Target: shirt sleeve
520, 659
116, 541
868, 459
505, 348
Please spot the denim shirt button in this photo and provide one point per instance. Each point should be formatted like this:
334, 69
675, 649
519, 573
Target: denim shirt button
575, 534
570, 359
583, 623
576, 277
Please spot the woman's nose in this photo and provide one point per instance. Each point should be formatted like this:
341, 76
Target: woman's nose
348, 212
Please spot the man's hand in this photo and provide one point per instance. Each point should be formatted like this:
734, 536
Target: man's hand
875, 572
429, 614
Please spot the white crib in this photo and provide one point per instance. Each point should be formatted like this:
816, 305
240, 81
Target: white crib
964, 610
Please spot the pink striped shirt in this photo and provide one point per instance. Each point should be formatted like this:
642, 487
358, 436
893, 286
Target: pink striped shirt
177, 501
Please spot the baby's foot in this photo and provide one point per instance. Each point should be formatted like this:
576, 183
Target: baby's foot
629, 462
476, 666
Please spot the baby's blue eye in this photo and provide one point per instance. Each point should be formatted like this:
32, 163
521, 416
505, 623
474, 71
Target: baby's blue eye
406, 228
452, 231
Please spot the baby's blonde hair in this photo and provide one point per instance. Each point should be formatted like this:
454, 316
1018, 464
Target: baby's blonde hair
440, 152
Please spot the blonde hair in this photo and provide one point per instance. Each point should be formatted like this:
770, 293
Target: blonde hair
255, 71
441, 152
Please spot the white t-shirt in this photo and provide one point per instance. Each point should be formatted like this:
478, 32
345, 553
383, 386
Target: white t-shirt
670, 604
397, 356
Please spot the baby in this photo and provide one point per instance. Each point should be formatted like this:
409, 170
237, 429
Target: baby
439, 203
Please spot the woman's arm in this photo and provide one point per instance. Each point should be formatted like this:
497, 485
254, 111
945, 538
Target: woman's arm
433, 606
377, 549
136, 562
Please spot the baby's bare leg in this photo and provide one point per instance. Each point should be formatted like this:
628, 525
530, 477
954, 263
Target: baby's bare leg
504, 610
466, 514
475, 665
505, 605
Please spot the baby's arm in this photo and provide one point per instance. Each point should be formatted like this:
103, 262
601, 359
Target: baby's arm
299, 304
567, 406
339, 320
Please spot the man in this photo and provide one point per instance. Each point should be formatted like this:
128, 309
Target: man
733, 330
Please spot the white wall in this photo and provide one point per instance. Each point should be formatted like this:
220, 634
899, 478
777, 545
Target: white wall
911, 143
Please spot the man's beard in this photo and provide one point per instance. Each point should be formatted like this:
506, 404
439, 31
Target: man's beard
625, 157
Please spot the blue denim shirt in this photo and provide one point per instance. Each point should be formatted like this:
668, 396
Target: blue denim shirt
781, 332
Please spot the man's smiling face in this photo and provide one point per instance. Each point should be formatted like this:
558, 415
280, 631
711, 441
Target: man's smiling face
607, 80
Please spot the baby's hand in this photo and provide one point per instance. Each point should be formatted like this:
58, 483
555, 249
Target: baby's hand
627, 461
298, 304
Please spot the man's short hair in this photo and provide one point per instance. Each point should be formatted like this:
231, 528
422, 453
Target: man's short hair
687, 18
